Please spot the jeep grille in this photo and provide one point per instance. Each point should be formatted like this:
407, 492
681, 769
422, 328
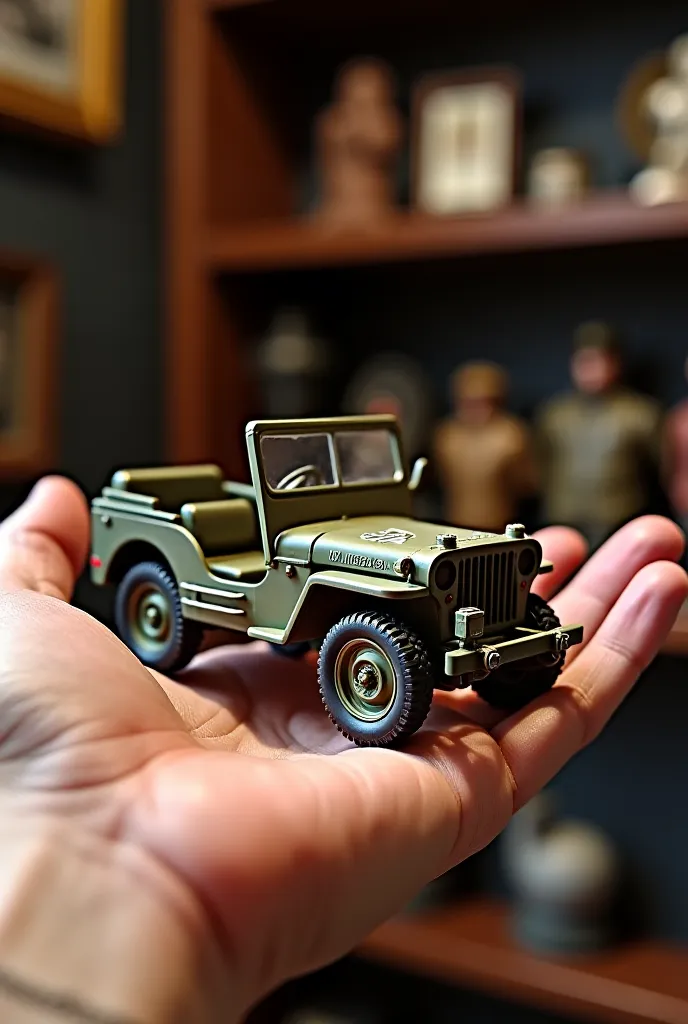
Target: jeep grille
489, 582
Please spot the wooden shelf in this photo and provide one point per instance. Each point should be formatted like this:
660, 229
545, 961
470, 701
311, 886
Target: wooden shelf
469, 944
606, 219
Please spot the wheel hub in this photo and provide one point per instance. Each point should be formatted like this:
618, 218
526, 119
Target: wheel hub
150, 617
365, 679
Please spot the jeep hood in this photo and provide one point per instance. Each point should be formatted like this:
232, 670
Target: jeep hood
372, 543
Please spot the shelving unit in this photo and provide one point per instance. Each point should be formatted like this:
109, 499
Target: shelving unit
469, 944
605, 219
232, 172
236, 133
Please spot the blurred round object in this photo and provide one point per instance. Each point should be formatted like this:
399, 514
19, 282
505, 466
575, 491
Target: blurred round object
636, 124
393, 383
558, 176
292, 364
666, 102
565, 878
658, 185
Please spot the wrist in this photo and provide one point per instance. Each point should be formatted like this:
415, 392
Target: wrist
100, 925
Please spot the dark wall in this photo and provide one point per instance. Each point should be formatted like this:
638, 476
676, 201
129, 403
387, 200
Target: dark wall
95, 212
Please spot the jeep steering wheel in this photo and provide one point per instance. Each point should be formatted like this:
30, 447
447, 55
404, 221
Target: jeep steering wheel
302, 476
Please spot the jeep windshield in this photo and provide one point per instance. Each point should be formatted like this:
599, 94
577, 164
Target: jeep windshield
330, 459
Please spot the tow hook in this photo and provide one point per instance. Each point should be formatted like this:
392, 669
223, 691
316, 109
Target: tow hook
562, 641
492, 659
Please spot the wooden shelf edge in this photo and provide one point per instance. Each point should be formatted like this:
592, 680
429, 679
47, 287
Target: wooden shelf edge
603, 219
469, 944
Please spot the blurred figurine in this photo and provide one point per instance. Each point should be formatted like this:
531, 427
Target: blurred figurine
558, 177
600, 443
483, 453
293, 365
359, 138
676, 458
665, 104
565, 877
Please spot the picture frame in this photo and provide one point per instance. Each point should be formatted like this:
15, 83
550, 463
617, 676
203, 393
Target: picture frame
465, 140
61, 66
28, 344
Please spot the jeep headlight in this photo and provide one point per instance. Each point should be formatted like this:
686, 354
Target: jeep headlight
445, 574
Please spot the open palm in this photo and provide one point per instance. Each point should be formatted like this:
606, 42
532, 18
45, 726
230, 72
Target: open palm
234, 786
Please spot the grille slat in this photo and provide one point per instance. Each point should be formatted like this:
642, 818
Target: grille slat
489, 582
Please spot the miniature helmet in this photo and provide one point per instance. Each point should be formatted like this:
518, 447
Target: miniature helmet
480, 381
597, 334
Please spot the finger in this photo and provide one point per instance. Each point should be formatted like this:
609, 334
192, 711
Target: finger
43, 545
538, 740
564, 547
600, 583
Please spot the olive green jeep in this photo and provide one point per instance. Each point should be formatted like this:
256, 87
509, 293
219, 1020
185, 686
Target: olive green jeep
322, 548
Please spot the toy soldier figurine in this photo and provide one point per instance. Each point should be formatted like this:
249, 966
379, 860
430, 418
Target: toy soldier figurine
600, 443
482, 452
359, 138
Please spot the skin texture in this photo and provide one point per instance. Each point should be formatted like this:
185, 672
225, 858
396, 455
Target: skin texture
287, 842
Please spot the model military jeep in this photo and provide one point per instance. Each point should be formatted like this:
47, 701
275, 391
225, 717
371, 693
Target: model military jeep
321, 548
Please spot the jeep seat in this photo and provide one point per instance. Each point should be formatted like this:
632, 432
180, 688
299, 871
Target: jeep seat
172, 485
228, 534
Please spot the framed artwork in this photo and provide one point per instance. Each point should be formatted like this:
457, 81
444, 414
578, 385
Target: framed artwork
28, 329
61, 64
465, 136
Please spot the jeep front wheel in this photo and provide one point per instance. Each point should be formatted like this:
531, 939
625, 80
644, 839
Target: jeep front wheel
375, 679
149, 619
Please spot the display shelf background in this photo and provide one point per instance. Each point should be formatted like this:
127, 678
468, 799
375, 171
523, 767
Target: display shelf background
521, 310
97, 214
572, 66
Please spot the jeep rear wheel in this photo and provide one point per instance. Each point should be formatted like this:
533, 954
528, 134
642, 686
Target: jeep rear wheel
512, 687
375, 679
149, 619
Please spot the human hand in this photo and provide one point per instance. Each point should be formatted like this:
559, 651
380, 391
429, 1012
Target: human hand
272, 841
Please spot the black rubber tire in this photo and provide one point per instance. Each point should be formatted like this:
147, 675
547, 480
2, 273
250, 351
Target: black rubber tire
414, 682
512, 687
184, 638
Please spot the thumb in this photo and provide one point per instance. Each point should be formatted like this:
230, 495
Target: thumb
43, 545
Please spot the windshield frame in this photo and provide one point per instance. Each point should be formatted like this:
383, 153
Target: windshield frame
338, 483
279, 511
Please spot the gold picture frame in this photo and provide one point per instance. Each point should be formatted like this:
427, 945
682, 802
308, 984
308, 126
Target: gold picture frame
28, 346
68, 83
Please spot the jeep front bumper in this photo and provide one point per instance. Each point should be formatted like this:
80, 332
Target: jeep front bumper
528, 643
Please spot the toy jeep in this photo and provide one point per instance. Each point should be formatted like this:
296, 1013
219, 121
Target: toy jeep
322, 548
